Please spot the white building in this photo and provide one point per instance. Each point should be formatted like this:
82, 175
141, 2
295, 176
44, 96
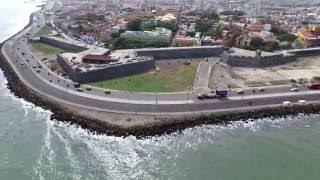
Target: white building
161, 34
87, 37
267, 36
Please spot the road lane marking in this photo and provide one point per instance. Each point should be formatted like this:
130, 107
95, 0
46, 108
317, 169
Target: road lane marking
258, 96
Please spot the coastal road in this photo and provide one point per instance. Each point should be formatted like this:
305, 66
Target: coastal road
56, 87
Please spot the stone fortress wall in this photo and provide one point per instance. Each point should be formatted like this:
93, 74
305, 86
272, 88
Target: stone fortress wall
181, 52
129, 68
270, 59
233, 59
257, 62
109, 72
61, 44
304, 52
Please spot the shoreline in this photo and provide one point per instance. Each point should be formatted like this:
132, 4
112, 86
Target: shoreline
166, 126
162, 125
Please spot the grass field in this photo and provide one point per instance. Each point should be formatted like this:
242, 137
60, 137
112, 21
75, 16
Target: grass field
46, 49
174, 77
45, 31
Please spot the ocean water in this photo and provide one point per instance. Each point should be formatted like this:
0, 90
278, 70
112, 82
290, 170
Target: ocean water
34, 147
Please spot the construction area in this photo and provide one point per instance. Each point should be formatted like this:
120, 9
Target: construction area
305, 69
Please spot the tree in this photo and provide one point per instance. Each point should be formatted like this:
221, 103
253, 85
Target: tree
100, 18
256, 43
121, 31
281, 31
213, 16
115, 35
287, 37
93, 17
164, 24
209, 14
217, 33
149, 27
127, 43
230, 13
283, 35
167, 25
235, 17
271, 46
134, 25
191, 34
230, 39
202, 26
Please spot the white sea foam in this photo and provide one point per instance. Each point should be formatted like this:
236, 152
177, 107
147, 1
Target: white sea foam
71, 157
131, 158
46, 162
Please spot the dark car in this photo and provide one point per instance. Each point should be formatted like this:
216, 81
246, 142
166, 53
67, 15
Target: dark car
76, 85
79, 89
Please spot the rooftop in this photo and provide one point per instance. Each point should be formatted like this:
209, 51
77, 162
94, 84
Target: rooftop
306, 33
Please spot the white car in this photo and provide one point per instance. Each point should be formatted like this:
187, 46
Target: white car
302, 102
286, 103
240, 91
88, 88
294, 89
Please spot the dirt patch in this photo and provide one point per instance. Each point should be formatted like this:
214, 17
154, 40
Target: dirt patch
304, 68
223, 75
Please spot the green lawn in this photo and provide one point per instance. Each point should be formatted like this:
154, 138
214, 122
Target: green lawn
176, 78
45, 31
46, 49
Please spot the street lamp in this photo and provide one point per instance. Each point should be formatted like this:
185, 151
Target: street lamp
156, 92
188, 95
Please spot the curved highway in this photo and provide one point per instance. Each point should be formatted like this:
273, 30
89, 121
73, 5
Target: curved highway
19, 56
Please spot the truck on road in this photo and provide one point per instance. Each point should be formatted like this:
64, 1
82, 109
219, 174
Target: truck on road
221, 93
213, 94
